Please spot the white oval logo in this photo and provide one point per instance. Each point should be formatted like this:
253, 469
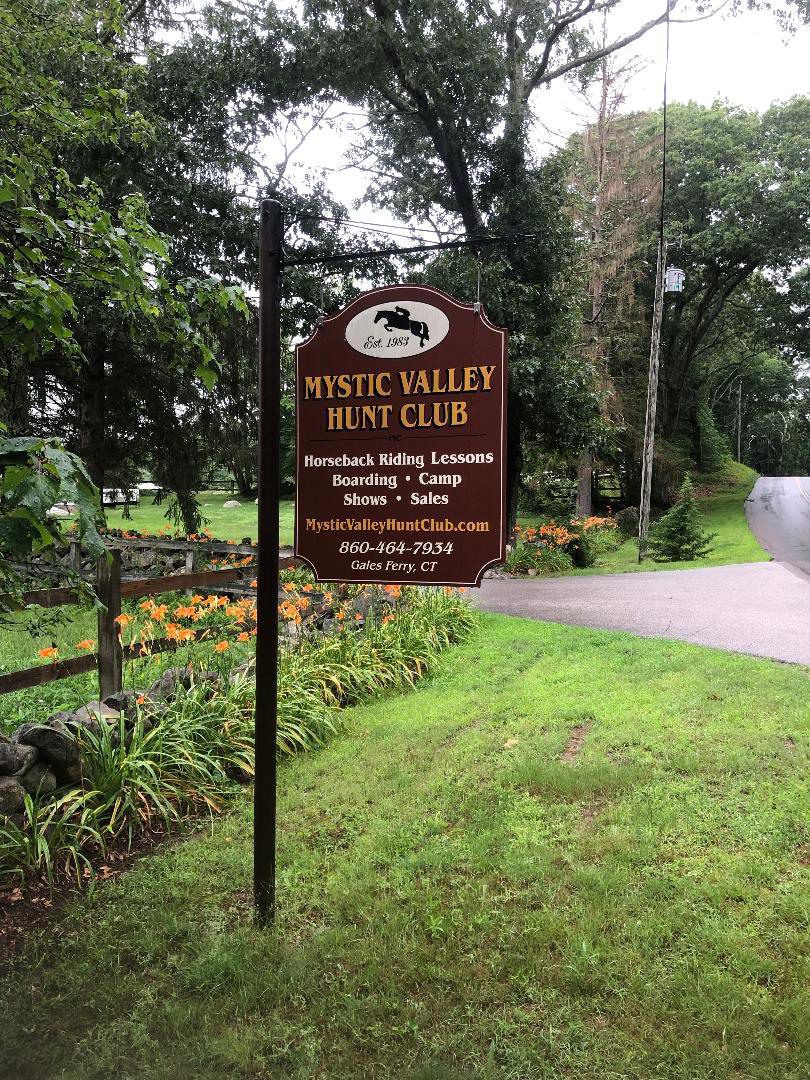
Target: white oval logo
397, 329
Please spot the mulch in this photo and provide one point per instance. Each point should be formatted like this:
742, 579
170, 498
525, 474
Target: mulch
28, 907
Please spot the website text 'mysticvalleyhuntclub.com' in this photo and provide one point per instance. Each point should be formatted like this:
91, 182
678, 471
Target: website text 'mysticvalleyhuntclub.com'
395, 525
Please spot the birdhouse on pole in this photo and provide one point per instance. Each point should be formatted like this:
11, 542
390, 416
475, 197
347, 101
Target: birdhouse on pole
674, 279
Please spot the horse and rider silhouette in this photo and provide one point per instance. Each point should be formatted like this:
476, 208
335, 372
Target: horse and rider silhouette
400, 319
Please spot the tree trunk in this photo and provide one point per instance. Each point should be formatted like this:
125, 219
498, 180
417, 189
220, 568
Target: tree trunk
92, 408
514, 462
584, 507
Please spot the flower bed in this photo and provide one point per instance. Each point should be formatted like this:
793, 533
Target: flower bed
74, 783
554, 548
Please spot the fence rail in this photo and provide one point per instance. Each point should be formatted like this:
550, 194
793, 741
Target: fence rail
111, 589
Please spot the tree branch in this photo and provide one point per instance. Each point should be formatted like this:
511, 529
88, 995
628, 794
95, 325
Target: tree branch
544, 78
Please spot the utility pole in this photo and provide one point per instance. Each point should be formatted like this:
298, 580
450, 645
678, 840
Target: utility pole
266, 723
652, 402
739, 420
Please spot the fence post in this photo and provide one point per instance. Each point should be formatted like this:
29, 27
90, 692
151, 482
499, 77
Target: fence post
108, 587
191, 564
75, 555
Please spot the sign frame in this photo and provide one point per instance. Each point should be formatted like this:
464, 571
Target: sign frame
424, 296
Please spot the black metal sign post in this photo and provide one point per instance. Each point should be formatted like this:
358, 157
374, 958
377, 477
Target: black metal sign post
264, 792
266, 716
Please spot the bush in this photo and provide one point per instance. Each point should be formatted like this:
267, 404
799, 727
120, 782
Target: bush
542, 557
679, 535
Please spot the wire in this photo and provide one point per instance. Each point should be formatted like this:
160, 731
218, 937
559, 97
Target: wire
349, 256
371, 226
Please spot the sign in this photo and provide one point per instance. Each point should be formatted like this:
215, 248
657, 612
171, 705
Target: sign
401, 441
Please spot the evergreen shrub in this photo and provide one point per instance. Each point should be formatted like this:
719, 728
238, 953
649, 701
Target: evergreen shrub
679, 536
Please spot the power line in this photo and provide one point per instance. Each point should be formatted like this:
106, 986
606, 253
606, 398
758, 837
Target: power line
375, 253
357, 223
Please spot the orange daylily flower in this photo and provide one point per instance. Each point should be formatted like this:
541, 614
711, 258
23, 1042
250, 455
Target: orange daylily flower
88, 643
123, 619
358, 617
288, 586
140, 699
254, 584
307, 588
185, 634
222, 646
48, 654
244, 636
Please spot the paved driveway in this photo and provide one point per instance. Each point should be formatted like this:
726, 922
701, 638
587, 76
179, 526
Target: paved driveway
757, 608
778, 512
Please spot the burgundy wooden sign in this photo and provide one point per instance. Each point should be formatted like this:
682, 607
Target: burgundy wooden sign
401, 441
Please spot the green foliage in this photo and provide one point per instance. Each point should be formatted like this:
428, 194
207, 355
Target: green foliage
35, 474
679, 536
53, 839
545, 561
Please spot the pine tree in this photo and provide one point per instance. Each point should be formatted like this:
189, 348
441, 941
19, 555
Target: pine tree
679, 536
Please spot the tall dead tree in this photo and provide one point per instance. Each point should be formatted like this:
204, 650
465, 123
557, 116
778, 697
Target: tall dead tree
617, 184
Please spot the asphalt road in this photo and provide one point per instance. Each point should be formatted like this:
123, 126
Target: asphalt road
758, 608
778, 512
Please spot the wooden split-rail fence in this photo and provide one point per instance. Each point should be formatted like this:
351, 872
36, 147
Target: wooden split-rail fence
111, 588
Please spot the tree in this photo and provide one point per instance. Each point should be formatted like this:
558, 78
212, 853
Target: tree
679, 535
86, 286
449, 88
616, 180
35, 474
739, 197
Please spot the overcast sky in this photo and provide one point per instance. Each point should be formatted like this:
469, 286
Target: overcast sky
747, 61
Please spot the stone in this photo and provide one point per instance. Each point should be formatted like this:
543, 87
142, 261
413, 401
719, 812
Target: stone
245, 670
57, 718
93, 712
40, 779
124, 701
12, 795
169, 683
58, 512
15, 757
55, 744
71, 775
231, 504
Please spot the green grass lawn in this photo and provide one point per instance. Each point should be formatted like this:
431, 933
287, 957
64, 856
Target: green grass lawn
455, 901
224, 524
